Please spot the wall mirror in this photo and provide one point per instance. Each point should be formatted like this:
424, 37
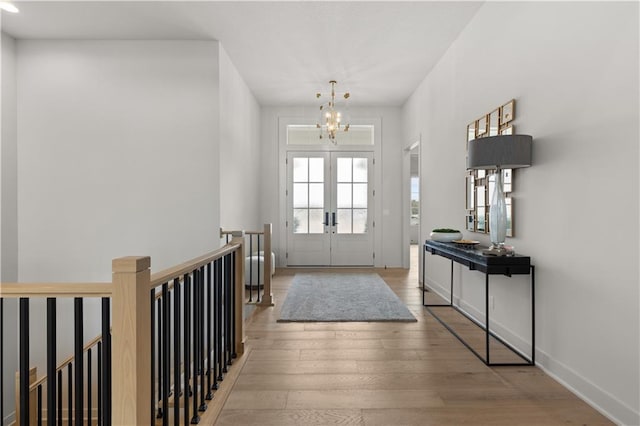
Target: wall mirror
479, 183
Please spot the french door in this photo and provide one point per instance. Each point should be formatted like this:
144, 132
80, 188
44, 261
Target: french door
329, 209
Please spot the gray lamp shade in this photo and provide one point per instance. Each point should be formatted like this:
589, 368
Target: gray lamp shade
503, 151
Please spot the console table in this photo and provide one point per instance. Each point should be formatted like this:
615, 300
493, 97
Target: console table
489, 265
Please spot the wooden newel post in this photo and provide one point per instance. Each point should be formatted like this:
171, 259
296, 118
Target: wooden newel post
267, 298
238, 238
131, 341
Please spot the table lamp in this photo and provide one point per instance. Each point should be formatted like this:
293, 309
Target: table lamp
497, 153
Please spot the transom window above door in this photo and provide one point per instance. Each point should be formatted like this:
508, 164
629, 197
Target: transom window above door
309, 134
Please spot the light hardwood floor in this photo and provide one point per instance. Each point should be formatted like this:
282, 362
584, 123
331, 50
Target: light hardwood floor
384, 374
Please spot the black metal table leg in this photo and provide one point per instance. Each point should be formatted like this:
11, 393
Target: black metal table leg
533, 315
486, 308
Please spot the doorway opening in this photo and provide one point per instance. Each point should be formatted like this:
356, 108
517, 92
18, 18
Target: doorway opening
412, 210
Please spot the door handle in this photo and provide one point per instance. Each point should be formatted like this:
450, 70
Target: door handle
326, 219
333, 219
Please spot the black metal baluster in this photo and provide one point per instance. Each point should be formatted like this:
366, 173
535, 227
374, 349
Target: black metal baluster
187, 343
251, 269
194, 342
152, 301
51, 360
106, 361
209, 355
203, 405
39, 405
70, 393
89, 387
99, 375
232, 282
59, 397
258, 262
78, 358
166, 339
196, 326
218, 316
227, 313
24, 361
159, 329
176, 352
216, 323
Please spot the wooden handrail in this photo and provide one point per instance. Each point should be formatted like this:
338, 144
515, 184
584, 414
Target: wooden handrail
14, 290
177, 271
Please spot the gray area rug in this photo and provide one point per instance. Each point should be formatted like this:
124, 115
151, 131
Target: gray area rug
342, 297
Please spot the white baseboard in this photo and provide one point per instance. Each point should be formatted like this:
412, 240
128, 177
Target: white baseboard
607, 404
601, 400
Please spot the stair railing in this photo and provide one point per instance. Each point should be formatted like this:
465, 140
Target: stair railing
258, 264
167, 341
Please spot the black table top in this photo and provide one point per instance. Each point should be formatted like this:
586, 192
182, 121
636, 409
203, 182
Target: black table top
473, 258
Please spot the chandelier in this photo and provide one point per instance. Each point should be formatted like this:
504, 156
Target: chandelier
330, 118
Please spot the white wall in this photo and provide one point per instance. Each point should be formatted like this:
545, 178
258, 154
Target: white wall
389, 224
118, 153
573, 70
8, 218
239, 150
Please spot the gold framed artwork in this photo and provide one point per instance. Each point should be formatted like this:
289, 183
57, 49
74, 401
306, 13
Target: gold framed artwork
507, 111
469, 219
481, 219
509, 202
507, 180
471, 131
481, 196
494, 122
470, 193
507, 130
482, 124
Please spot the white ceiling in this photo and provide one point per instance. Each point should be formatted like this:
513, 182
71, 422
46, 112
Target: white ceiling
286, 51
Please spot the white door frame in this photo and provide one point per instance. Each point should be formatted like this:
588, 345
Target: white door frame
415, 143
283, 148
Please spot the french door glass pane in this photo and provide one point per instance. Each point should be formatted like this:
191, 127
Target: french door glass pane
300, 221
344, 169
316, 195
360, 170
316, 169
360, 195
344, 195
344, 221
315, 221
359, 221
301, 170
300, 195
